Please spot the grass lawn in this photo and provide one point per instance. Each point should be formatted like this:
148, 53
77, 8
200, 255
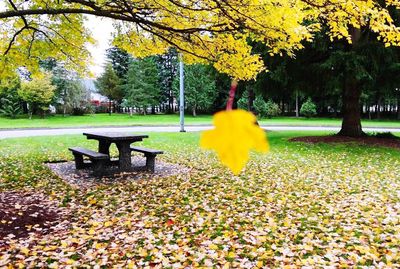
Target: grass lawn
299, 205
59, 121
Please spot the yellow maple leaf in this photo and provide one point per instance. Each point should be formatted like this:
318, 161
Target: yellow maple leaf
235, 134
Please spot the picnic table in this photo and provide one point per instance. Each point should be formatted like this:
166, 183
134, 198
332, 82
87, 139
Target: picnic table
101, 160
123, 142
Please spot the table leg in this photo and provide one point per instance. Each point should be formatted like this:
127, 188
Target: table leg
125, 162
104, 147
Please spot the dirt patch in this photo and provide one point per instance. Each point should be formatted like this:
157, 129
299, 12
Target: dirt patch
83, 178
24, 213
367, 140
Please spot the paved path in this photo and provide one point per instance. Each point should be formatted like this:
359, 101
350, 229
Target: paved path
143, 129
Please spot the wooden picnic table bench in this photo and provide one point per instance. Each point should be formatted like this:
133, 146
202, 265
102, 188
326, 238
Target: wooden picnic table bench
98, 160
150, 155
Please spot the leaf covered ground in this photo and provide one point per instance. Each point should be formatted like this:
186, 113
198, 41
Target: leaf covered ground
300, 205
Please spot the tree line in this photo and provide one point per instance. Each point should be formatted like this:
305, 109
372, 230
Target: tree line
311, 84
55, 87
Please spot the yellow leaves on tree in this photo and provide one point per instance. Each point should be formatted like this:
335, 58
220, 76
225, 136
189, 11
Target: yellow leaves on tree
235, 134
205, 31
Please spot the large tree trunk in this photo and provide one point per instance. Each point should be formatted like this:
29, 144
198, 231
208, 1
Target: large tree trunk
109, 108
351, 124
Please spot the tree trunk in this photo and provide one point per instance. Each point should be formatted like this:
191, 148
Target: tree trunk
251, 98
65, 103
351, 124
109, 108
194, 111
378, 112
398, 108
297, 103
170, 103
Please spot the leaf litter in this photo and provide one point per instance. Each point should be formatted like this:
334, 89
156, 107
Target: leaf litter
289, 209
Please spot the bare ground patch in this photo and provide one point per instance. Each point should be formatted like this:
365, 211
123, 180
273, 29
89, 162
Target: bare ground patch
23, 214
366, 140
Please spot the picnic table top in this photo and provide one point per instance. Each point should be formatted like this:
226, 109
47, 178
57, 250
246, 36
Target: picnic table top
115, 136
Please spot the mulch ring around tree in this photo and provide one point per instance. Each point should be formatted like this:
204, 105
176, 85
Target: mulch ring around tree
389, 142
25, 213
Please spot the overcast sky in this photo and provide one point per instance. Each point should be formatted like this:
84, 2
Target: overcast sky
101, 30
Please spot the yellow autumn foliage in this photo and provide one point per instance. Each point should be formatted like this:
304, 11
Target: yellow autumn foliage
205, 31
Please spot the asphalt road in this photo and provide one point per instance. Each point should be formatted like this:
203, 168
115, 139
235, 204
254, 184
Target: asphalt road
142, 129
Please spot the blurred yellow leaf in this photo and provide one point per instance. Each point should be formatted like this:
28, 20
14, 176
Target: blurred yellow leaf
235, 134
213, 247
24, 250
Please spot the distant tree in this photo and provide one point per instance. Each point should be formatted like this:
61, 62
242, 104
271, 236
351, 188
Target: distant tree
200, 89
168, 70
109, 85
37, 93
70, 92
120, 61
9, 86
142, 86
78, 98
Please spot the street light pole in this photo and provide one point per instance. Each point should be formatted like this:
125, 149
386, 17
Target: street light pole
181, 95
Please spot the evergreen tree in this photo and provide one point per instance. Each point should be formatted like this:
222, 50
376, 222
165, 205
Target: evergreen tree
168, 70
120, 61
142, 86
109, 85
200, 89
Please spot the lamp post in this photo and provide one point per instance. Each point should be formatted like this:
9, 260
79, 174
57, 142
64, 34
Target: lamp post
181, 95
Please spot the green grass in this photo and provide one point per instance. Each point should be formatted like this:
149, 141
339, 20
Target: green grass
326, 205
55, 148
58, 121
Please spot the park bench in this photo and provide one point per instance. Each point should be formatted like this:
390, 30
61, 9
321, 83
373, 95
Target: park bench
150, 155
98, 160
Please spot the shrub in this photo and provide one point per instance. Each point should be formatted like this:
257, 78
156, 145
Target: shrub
260, 106
243, 102
272, 109
308, 109
10, 107
38, 93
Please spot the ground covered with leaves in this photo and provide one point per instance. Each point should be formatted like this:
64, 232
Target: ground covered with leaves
300, 205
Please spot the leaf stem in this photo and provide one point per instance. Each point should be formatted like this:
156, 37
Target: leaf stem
232, 92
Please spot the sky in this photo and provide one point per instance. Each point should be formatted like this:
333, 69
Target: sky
101, 31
